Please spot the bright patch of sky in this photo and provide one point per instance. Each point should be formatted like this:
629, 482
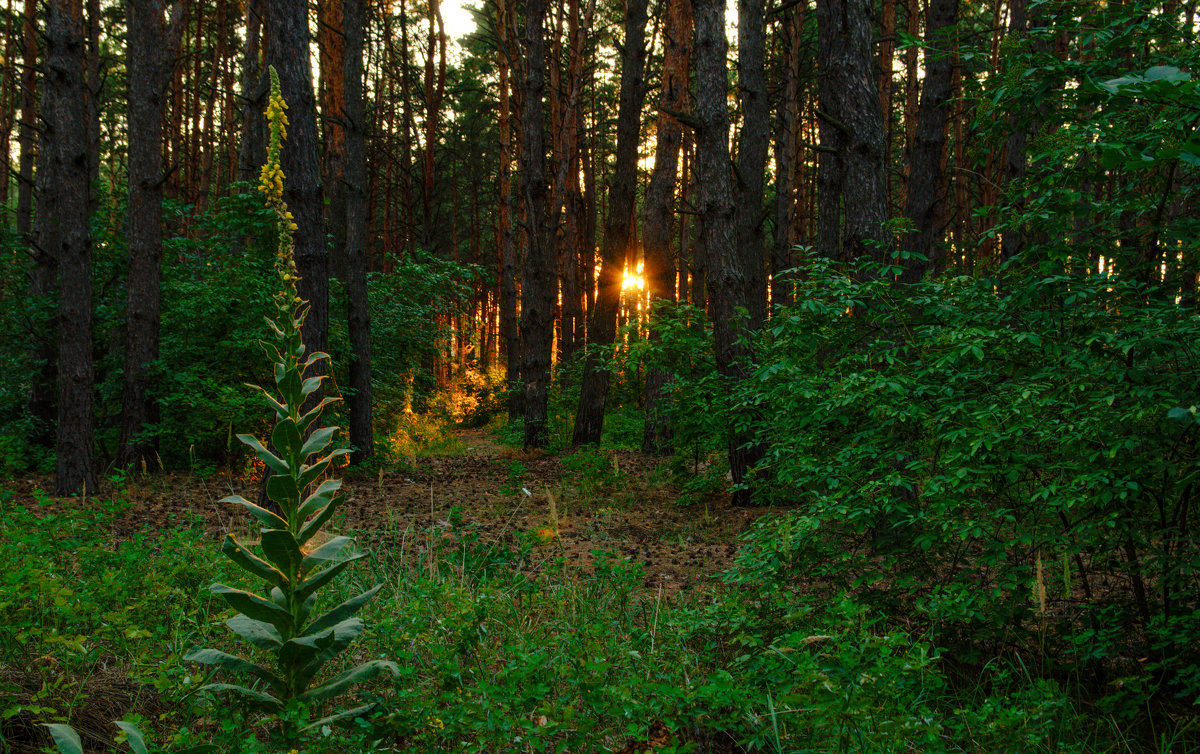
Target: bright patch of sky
458, 19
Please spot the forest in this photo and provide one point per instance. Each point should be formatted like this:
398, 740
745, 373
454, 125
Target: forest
590, 376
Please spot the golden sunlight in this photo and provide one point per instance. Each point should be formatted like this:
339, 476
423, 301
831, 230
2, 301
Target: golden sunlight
633, 281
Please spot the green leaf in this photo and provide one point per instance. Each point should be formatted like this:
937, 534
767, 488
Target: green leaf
65, 738
259, 633
317, 441
310, 529
234, 664
281, 548
281, 411
133, 737
1166, 73
325, 553
329, 645
255, 607
341, 612
341, 683
310, 386
282, 489
320, 496
286, 438
318, 580
259, 697
277, 464
262, 514
344, 714
251, 562
314, 414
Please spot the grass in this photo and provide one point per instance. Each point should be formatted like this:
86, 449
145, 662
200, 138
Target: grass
494, 659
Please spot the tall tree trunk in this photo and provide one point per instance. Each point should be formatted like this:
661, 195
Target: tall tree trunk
358, 314
726, 281
332, 88
27, 133
537, 280
64, 106
787, 158
926, 180
507, 244
659, 269
287, 27
753, 141
253, 148
854, 204
93, 84
150, 51
435, 89
618, 228
1012, 242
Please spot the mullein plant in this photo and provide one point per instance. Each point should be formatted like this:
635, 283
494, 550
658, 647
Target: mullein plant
284, 621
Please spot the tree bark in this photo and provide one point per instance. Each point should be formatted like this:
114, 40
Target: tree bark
253, 149
753, 142
287, 27
435, 89
854, 204
926, 176
65, 110
331, 43
150, 52
358, 314
507, 244
787, 160
537, 279
27, 133
658, 221
726, 279
618, 228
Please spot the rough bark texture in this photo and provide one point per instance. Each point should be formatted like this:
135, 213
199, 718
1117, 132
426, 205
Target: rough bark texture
726, 280
253, 148
618, 227
434, 89
537, 280
27, 133
753, 141
509, 337
853, 200
358, 313
287, 27
1013, 242
64, 106
787, 155
658, 222
150, 52
926, 174
331, 42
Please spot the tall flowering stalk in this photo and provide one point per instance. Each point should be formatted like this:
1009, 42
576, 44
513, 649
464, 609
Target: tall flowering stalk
284, 621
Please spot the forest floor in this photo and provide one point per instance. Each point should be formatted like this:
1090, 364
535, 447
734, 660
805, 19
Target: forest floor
570, 506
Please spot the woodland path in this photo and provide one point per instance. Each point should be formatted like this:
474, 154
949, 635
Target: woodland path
613, 501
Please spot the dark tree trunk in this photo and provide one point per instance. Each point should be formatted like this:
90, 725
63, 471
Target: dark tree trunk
726, 279
509, 337
27, 133
924, 205
787, 160
537, 280
753, 141
618, 228
659, 269
332, 95
853, 198
287, 28
150, 52
435, 89
358, 313
64, 106
253, 149
1012, 242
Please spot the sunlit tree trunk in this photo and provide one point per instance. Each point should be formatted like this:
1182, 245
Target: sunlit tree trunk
150, 52
618, 228
659, 270
64, 108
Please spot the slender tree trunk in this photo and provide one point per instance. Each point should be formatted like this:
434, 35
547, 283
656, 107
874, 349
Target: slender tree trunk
507, 244
435, 88
1012, 242
753, 142
150, 51
64, 106
887, 58
537, 282
254, 91
42, 231
727, 283
854, 206
926, 179
332, 88
358, 312
27, 133
287, 27
787, 155
618, 228
659, 269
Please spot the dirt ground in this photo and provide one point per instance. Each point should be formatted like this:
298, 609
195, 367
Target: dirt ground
503, 494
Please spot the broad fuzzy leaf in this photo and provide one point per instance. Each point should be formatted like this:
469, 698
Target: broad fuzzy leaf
262, 514
310, 585
259, 633
311, 527
317, 441
255, 607
283, 551
259, 697
343, 715
274, 462
282, 489
341, 683
320, 496
234, 664
286, 438
341, 612
133, 737
251, 562
65, 738
326, 553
